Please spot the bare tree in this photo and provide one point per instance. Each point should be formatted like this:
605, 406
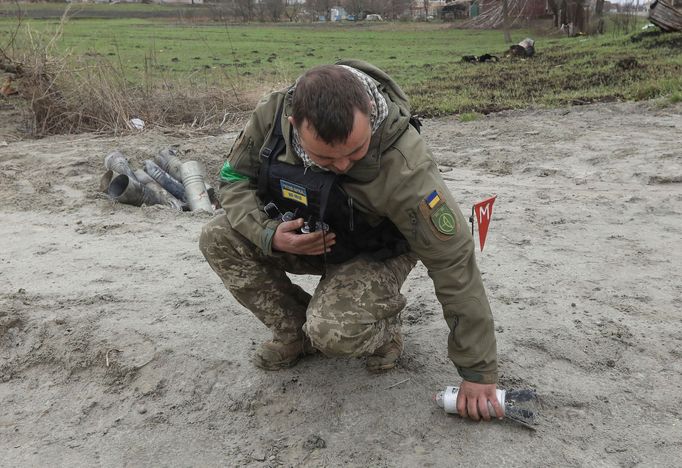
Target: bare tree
579, 19
354, 7
624, 22
599, 7
555, 7
599, 13
292, 9
425, 5
271, 9
321, 7
505, 19
244, 9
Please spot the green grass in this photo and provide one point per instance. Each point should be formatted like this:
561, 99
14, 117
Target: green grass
407, 51
469, 116
424, 58
55, 10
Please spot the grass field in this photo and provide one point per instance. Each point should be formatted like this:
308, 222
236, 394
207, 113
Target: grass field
424, 58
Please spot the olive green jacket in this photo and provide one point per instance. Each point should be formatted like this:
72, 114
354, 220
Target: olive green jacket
393, 181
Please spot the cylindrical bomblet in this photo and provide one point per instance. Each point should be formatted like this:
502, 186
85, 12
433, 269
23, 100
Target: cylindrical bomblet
128, 190
149, 183
215, 203
165, 180
118, 163
195, 188
519, 405
447, 399
169, 161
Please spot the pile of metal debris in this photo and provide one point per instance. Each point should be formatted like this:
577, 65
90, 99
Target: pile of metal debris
524, 49
165, 181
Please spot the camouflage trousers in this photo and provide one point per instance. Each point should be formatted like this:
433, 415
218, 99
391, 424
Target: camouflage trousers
354, 309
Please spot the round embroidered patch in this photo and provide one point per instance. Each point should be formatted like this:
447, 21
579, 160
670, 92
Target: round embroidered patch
444, 220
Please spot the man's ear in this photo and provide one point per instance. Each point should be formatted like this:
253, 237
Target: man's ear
291, 120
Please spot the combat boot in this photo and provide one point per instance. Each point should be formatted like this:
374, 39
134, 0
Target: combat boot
386, 355
276, 355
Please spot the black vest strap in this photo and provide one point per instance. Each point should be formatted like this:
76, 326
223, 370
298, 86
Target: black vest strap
272, 149
416, 123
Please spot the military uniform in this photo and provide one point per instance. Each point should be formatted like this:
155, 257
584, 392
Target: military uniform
356, 306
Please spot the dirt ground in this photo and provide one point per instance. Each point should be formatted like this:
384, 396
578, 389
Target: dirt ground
119, 346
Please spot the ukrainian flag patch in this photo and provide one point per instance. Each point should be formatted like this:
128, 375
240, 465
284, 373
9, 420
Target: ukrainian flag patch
432, 200
294, 192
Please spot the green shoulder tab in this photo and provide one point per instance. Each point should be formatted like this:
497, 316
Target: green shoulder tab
227, 174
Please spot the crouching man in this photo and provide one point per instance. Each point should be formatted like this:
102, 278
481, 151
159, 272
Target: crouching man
330, 177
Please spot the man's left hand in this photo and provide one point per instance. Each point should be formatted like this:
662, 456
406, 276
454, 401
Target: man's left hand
473, 398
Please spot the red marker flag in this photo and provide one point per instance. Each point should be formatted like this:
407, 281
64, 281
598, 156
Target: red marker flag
484, 213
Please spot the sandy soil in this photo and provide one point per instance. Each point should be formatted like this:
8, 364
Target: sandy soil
119, 346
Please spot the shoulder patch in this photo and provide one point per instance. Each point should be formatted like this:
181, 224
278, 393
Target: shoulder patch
444, 220
438, 215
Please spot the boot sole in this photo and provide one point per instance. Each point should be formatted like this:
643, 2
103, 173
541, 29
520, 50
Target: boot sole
381, 368
269, 366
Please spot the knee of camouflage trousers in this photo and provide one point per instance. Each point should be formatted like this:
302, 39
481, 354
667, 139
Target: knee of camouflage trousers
212, 242
354, 310
257, 281
356, 307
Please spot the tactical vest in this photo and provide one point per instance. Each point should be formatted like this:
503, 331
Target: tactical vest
319, 196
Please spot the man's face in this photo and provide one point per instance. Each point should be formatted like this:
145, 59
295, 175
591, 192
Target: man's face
339, 157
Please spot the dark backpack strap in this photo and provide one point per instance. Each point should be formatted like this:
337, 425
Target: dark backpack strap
324, 196
416, 123
270, 150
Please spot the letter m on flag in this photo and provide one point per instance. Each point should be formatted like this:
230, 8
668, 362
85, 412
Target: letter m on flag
484, 213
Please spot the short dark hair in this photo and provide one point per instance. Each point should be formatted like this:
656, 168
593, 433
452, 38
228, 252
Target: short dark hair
327, 97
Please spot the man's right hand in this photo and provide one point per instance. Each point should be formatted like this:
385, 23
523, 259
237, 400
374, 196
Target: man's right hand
473, 399
288, 239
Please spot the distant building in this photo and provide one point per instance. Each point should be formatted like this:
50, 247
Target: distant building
418, 10
338, 13
459, 9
